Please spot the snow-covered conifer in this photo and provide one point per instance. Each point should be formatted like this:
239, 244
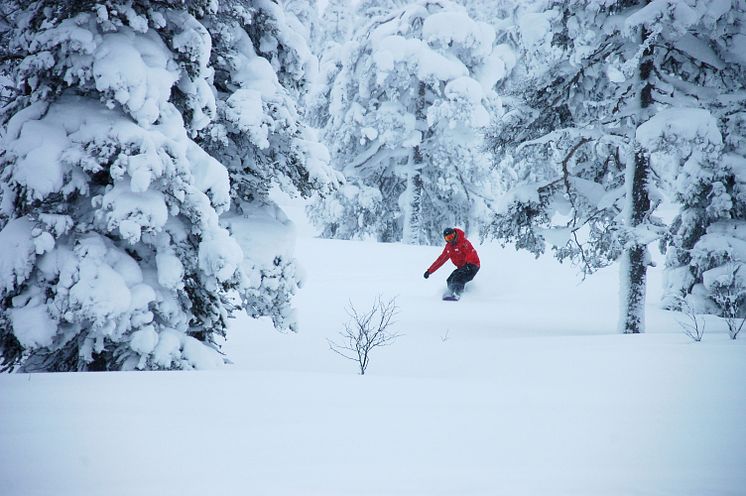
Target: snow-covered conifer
580, 166
704, 152
307, 21
369, 9
261, 66
338, 22
561, 163
491, 11
113, 254
8, 60
405, 112
336, 27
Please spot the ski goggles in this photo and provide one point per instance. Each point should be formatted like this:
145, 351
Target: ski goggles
450, 236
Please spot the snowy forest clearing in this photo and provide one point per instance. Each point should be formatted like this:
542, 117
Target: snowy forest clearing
142, 144
522, 387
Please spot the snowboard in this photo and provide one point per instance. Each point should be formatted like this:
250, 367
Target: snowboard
451, 297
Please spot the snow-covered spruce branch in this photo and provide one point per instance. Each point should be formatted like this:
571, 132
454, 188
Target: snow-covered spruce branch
405, 114
584, 133
730, 297
366, 331
4, 57
562, 90
153, 223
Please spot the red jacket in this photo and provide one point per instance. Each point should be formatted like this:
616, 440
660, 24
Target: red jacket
460, 251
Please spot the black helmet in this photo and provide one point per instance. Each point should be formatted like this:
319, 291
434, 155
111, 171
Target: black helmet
449, 234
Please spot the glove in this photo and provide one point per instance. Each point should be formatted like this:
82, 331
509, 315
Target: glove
426, 275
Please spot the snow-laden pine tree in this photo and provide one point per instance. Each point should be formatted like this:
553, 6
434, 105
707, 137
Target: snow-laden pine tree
495, 12
706, 148
307, 21
572, 148
405, 112
261, 66
338, 22
8, 60
110, 205
369, 9
113, 252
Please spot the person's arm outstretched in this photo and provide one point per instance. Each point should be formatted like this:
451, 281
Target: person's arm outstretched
438, 263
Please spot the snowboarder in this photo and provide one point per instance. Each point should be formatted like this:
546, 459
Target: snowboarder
464, 257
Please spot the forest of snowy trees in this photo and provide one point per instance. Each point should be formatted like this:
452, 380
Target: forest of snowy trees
142, 141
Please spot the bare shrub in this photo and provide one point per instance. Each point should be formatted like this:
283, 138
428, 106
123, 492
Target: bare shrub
695, 327
366, 331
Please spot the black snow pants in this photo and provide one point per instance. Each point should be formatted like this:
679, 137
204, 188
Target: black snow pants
459, 277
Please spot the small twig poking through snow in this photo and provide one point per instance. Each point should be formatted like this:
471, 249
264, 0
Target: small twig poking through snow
366, 331
695, 329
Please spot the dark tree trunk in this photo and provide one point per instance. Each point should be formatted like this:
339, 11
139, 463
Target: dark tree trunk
413, 229
635, 257
635, 262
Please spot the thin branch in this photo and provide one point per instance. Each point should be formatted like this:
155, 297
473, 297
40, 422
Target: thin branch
566, 173
4, 57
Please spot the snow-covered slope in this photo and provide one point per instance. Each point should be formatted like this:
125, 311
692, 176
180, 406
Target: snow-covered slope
521, 388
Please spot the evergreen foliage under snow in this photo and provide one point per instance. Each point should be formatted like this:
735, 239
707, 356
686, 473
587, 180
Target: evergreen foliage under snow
122, 212
143, 142
578, 148
403, 119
